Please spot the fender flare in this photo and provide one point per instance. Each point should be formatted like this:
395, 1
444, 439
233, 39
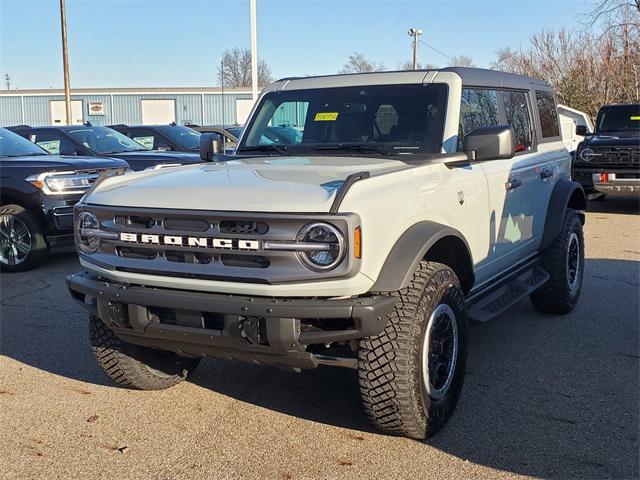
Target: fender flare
411, 248
566, 194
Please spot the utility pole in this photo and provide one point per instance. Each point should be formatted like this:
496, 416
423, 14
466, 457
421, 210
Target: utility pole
415, 33
65, 62
254, 51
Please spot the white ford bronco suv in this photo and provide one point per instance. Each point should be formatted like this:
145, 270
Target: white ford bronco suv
361, 222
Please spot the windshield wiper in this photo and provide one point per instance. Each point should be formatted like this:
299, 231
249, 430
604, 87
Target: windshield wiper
35, 154
357, 147
265, 148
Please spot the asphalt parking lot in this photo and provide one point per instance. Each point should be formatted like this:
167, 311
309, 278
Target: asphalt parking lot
544, 397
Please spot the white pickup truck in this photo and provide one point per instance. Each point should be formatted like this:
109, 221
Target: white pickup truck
392, 208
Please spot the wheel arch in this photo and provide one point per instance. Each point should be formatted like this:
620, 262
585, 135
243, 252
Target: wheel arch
566, 194
429, 241
13, 197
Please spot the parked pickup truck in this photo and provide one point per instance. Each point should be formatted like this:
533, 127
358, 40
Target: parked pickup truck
37, 195
607, 161
408, 203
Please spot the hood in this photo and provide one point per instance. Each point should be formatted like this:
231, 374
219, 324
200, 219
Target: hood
55, 162
265, 184
160, 156
613, 139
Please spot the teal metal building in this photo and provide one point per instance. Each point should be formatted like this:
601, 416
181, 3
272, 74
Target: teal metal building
201, 106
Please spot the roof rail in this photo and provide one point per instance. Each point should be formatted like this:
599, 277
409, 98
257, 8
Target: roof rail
17, 127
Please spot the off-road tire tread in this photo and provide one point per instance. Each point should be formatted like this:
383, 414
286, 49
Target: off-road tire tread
554, 296
386, 370
123, 369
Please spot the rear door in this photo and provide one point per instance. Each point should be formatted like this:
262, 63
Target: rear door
149, 138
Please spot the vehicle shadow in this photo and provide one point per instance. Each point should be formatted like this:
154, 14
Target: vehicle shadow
555, 397
623, 205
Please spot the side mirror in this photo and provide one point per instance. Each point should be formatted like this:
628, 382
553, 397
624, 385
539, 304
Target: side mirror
210, 145
489, 143
581, 130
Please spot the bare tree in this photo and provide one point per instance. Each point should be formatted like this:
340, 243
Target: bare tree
358, 63
587, 68
235, 69
461, 61
421, 66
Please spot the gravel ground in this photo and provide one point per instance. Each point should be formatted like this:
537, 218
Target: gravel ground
544, 397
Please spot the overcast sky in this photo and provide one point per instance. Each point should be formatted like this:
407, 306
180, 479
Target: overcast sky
144, 43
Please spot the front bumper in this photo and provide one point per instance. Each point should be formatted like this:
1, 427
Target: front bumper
611, 185
588, 177
262, 330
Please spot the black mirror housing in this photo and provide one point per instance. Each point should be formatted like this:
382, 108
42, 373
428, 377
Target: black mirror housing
210, 146
489, 143
581, 130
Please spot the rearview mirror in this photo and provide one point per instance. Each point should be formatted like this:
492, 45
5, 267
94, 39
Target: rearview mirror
489, 143
581, 130
210, 145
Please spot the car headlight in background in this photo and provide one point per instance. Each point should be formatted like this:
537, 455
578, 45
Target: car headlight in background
52, 183
321, 246
586, 154
87, 225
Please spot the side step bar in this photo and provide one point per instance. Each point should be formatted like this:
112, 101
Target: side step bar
484, 307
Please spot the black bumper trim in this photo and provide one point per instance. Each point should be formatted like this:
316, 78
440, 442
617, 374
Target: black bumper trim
126, 310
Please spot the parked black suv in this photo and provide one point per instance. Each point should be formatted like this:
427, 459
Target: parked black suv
101, 141
37, 195
608, 160
165, 138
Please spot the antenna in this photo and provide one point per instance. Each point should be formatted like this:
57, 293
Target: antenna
223, 109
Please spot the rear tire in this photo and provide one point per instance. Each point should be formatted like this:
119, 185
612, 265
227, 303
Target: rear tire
411, 373
134, 366
564, 262
22, 243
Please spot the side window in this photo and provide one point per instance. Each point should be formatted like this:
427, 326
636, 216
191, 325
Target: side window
54, 143
548, 114
144, 137
478, 108
517, 115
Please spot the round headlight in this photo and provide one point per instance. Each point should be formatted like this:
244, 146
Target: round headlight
322, 246
586, 154
87, 221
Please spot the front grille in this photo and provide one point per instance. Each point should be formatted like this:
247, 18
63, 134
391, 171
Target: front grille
210, 245
622, 156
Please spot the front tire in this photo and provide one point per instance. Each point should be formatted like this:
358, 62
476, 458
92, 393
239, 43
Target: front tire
134, 366
564, 262
411, 373
22, 242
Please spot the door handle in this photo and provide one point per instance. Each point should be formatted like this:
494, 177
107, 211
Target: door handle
511, 184
546, 173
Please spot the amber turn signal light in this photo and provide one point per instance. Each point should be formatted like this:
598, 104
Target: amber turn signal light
357, 242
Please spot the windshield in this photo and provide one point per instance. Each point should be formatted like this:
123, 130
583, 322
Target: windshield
13, 145
104, 140
382, 119
617, 118
185, 137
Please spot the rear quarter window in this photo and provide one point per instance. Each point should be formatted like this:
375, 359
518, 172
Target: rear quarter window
548, 114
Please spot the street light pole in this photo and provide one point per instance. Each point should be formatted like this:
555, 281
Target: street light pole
415, 33
65, 63
254, 51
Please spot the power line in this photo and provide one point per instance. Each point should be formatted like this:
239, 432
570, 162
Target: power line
436, 50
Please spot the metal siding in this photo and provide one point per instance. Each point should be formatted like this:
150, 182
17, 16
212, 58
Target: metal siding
126, 108
10, 111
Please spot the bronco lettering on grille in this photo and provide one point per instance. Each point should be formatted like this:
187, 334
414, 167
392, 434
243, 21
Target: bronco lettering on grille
179, 241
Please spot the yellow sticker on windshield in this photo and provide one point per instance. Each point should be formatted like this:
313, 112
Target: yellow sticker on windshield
635, 117
326, 116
